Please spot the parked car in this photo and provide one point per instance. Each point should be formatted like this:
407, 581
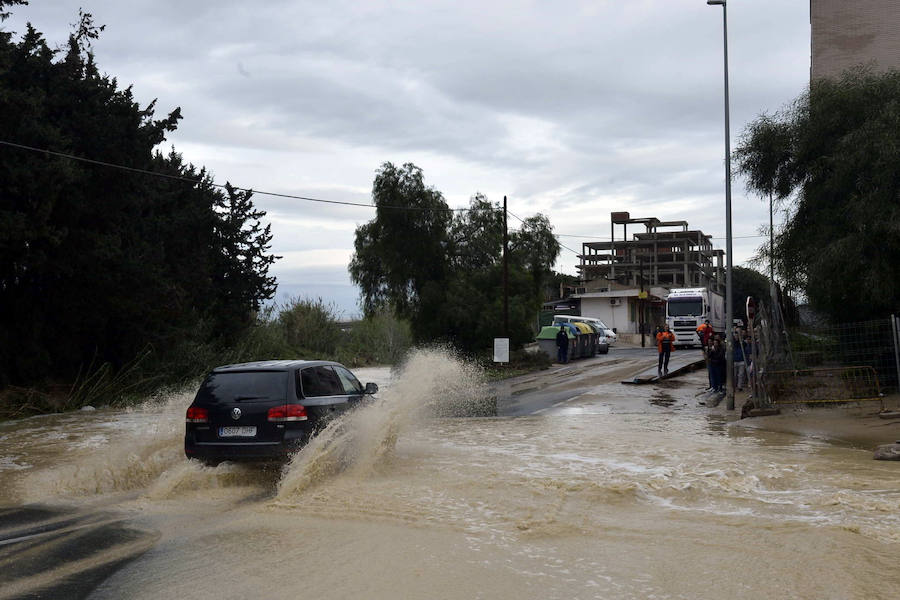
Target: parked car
602, 340
611, 336
267, 410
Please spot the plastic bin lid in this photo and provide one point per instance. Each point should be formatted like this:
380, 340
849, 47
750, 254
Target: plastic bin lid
570, 327
548, 333
594, 326
571, 330
583, 327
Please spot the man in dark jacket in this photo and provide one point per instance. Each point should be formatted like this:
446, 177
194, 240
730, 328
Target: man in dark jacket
705, 333
717, 363
741, 349
562, 345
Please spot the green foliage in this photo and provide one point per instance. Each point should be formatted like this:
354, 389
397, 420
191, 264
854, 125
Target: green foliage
443, 272
310, 325
748, 282
535, 248
380, 339
833, 161
300, 329
404, 248
96, 264
305, 328
100, 384
4, 3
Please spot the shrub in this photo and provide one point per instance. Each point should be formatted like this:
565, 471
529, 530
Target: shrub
310, 325
380, 339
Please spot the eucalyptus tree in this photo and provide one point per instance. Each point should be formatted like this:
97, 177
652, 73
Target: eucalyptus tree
832, 161
400, 259
442, 269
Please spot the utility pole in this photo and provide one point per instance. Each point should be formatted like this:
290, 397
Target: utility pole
729, 298
773, 291
771, 241
641, 297
505, 273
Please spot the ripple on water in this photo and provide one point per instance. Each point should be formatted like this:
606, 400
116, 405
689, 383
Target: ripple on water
504, 478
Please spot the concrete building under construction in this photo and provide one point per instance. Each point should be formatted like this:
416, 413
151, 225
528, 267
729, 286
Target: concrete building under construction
625, 281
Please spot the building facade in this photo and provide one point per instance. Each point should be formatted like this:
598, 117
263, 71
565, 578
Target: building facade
846, 33
625, 281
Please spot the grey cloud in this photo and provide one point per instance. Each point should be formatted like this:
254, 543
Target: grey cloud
631, 93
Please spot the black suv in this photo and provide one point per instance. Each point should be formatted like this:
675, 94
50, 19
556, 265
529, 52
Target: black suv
266, 410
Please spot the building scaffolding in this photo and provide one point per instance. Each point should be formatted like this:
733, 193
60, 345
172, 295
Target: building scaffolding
665, 254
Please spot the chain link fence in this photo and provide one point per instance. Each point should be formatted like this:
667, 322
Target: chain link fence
826, 363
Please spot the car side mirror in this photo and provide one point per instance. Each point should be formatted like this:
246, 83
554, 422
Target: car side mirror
371, 388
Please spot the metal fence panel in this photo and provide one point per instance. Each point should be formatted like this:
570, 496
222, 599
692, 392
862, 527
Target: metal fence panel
865, 344
827, 384
833, 363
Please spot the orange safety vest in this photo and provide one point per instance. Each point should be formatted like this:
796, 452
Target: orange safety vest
705, 332
663, 335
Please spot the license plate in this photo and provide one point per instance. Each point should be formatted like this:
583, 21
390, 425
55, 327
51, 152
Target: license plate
237, 431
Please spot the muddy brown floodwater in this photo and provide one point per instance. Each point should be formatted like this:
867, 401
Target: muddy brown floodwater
613, 492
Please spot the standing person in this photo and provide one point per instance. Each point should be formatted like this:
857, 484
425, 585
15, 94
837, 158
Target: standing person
665, 343
748, 359
741, 353
705, 333
562, 345
717, 364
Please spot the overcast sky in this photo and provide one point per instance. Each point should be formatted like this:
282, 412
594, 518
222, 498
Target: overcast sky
571, 109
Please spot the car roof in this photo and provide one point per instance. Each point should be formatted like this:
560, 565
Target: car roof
273, 365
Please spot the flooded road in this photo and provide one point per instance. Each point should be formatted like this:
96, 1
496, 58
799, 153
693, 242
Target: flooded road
582, 488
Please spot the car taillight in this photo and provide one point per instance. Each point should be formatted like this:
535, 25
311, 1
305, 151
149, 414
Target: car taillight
197, 415
287, 412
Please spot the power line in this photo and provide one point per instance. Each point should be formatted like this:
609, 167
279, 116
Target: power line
294, 196
222, 186
560, 243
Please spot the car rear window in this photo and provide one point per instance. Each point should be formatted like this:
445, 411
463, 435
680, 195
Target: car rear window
244, 385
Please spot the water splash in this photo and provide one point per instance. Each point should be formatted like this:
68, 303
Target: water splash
431, 382
188, 477
128, 451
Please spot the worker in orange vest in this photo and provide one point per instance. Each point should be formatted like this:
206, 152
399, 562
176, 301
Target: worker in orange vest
665, 343
705, 333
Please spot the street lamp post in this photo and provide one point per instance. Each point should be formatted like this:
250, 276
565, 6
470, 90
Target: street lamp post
729, 310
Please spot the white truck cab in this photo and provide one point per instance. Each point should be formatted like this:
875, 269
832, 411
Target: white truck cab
687, 308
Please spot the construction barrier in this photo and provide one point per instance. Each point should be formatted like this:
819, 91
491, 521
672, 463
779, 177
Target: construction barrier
825, 384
